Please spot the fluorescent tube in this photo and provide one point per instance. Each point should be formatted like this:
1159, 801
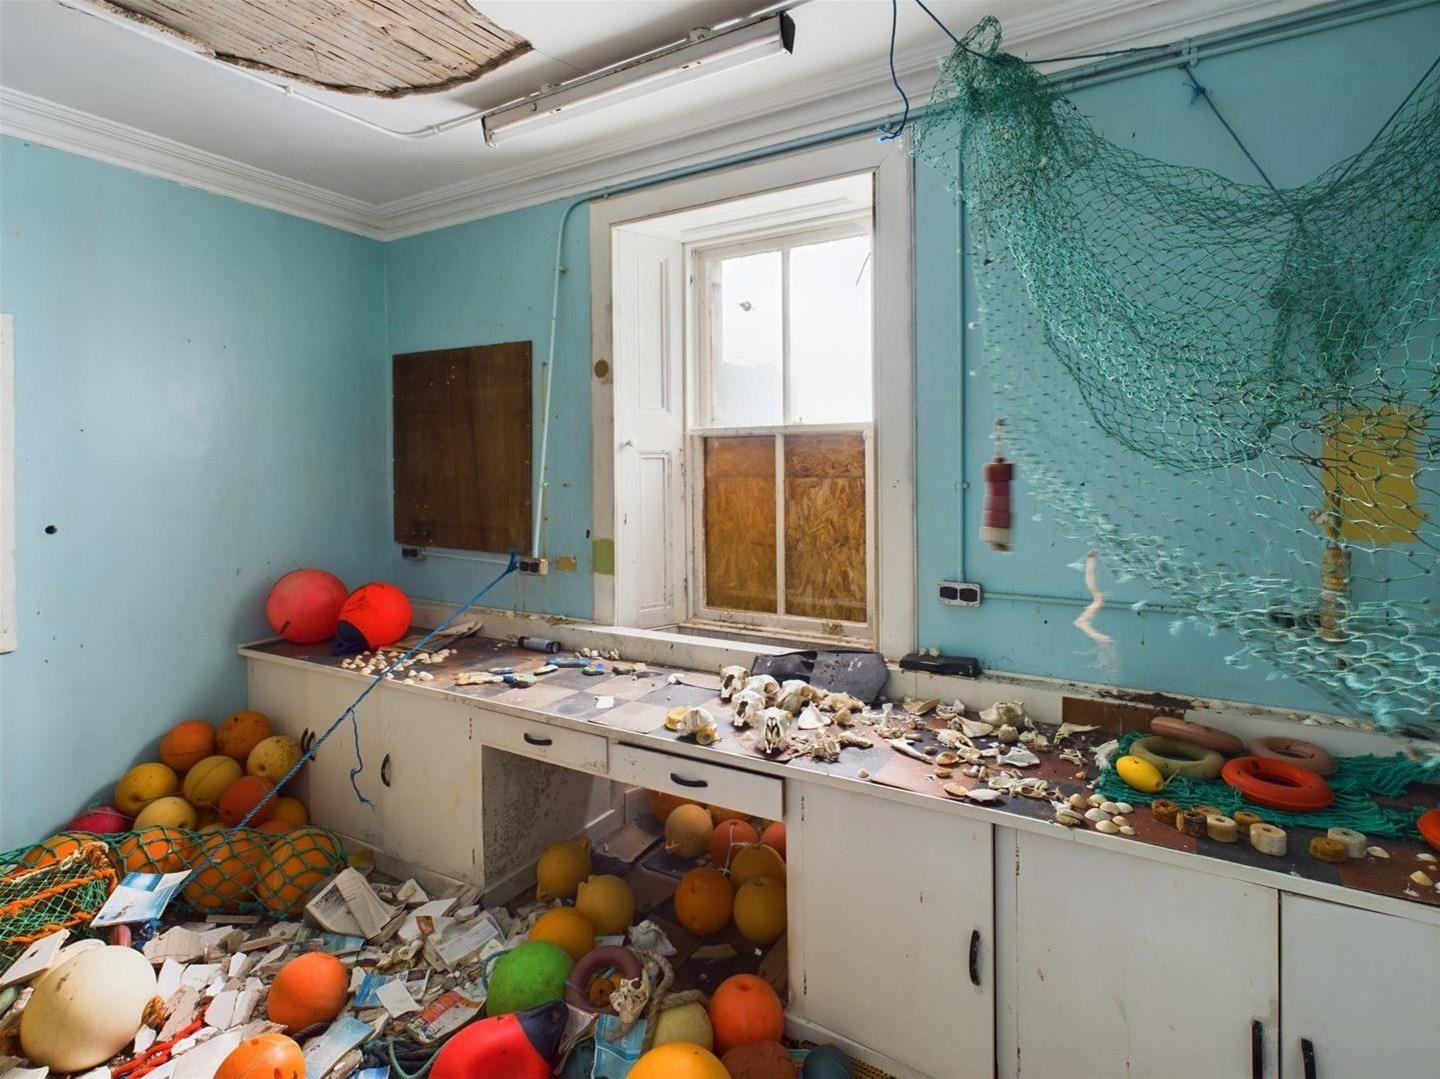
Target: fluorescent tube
727, 49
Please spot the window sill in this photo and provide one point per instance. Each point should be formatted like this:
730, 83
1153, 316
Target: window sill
742, 635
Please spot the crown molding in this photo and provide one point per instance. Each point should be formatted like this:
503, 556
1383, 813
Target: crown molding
36, 119
850, 97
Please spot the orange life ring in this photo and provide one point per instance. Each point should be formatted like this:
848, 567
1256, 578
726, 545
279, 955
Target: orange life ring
1278, 784
1429, 825
1293, 751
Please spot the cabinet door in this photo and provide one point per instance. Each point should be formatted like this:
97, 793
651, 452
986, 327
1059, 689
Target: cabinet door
886, 903
431, 771
332, 799
1362, 989
1119, 965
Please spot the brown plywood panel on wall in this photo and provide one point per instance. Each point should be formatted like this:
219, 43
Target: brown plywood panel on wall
462, 447
825, 526
740, 523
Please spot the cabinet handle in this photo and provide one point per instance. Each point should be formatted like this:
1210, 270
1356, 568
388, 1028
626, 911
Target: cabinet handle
537, 741
1307, 1057
674, 778
975, 957
385, 770
1257, 1049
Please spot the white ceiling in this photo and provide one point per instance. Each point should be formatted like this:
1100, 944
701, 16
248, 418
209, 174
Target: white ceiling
71, 79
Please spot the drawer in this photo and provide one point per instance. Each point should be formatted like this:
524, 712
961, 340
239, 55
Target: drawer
558, 745
718, 784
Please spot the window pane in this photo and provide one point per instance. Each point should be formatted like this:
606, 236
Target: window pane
825, 526
740, 559
830, 345
746, 323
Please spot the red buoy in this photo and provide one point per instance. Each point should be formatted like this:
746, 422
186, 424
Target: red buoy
376, 614
304, 605
519, 1045
995, 518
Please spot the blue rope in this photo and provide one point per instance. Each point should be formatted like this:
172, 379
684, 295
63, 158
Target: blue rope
888, 133
349, 712
1199, 93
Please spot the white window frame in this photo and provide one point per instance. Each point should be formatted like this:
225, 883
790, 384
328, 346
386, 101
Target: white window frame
892, 505
701, 259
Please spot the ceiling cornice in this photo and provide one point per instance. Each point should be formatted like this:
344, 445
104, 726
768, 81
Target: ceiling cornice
849, 97
36, 119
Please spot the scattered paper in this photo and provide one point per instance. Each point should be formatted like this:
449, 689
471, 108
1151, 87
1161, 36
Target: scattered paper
455, 949
36, 959
603, 703
203, 1061
396, 999
349, 906
447, 1013
324, 1052
139, 897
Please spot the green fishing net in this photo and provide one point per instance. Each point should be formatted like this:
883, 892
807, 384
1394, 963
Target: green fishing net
1357, 782
1228, 392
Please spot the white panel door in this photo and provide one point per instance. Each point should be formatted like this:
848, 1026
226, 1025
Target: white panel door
649, 395
1120, 966
431, 772
1360, 993
333, 801
888, 903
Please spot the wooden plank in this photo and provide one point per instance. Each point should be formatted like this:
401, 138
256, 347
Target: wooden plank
462, 447
380, 47
740, 553
825, 508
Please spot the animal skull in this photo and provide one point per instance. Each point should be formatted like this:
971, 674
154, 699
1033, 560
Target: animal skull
765, 686
732, 680
748, 704
774, 730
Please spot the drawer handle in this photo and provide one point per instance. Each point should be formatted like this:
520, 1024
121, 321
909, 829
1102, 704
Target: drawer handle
1307, 1057
385, 770
538, 741
975, 957
1257, 1049
682, 781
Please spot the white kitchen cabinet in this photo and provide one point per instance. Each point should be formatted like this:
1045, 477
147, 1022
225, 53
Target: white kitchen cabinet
1115, 965
430, 770
1360, 993
303, 703
891, 929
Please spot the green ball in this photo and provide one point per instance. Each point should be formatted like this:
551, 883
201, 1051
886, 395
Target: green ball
531, 975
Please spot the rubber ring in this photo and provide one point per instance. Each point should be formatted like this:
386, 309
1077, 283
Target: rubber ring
1197, 734
592, 963
1177, 758
1293, 751
1429, 825
1278, 784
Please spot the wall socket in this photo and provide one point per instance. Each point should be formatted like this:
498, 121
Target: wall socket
534, 565
961, 593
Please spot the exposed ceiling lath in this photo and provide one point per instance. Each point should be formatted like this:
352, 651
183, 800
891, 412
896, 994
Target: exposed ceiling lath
383, 48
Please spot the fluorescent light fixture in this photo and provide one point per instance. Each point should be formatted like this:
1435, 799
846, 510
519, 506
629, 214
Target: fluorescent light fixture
720, 51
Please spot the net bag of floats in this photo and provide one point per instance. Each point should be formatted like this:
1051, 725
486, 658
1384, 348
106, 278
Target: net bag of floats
64, 880
1227, 391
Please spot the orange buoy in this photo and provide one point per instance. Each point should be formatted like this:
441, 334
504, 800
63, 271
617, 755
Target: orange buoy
679, 1060
225, 867
265, 1056
242, 732
662, 804
774, 836
745, 1010
760, 910
300, 859
157, 849
245, 794
309, 989
688, 831
703, 901
568, 928
728, 836
756, 860
187, 744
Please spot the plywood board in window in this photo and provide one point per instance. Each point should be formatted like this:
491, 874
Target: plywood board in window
462, 447
825, 526
739, 517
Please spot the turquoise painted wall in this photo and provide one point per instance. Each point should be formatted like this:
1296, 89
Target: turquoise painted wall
487, 282
199, 389
1299, 104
